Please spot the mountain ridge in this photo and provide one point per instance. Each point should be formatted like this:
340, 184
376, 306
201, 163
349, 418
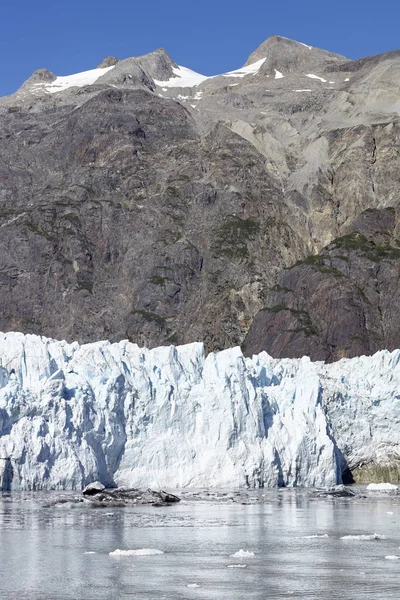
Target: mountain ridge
141, 200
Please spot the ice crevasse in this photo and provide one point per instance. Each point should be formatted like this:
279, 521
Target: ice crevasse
171, 417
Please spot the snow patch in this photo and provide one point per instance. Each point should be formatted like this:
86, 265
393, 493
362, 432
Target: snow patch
302, 90
183, 78
278, 74
312, 76
77, 80
249, 70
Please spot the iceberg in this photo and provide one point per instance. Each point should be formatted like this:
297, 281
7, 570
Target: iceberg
382, 487
242, 554
364, 537
171, 417
139, 552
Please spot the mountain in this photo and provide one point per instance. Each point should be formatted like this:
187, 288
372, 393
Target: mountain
71, 414
140, 200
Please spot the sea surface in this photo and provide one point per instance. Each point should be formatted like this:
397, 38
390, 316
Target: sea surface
64, 553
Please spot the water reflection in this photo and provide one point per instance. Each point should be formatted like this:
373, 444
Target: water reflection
42, 551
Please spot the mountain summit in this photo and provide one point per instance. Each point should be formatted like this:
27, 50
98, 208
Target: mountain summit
143, 200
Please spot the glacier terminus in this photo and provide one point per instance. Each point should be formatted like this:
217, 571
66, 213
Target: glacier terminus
172, 417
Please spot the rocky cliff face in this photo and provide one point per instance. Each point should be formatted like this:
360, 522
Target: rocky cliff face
141, 200
126, 415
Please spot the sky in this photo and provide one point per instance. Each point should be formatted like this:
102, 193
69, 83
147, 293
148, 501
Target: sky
208, 36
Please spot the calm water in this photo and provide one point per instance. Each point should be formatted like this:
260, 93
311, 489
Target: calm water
42, 551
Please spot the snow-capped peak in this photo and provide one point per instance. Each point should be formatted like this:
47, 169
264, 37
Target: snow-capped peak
76, 80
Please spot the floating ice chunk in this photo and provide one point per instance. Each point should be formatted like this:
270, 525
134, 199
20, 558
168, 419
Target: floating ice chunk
236, 566
278, 74
242, 554
392, 557
312, 537
193, 585
139, 552
372, 536
381, 487
312, 76
89, 553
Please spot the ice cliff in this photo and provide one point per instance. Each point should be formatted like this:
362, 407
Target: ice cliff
125, 415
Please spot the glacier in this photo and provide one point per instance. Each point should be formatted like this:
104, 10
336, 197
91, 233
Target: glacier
172, 417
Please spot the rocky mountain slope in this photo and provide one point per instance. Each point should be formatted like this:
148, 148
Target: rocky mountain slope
142, 200
126, 415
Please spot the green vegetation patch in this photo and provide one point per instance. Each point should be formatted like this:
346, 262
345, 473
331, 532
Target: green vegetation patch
318, 261
375, 252
149, 316
85, 285
232, 237
158, 280
305, 324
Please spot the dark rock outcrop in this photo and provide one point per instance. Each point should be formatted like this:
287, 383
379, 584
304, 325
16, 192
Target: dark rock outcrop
260, 207
118, 498
339, 303
93, 488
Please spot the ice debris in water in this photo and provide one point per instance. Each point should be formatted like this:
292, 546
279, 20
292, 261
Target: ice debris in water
139, 552
312, 537
392, 557
193, 585
236, 566
372, 536
242, 554
380, 487
89, 553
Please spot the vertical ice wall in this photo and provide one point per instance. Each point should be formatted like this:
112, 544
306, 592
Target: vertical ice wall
70, 414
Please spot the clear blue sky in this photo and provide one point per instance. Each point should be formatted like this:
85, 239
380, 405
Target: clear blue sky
209, 36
